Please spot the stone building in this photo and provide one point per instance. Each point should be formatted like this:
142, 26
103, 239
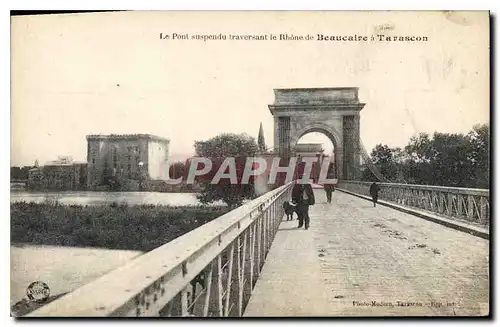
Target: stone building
309, 150
126, 158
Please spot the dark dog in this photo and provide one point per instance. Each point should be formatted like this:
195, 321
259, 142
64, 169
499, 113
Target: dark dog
289, 210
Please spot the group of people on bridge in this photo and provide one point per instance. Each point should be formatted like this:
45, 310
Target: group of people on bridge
303, 197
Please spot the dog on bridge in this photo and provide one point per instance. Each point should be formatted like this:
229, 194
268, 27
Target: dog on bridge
290, 208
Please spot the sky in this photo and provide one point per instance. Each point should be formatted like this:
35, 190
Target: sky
110, 73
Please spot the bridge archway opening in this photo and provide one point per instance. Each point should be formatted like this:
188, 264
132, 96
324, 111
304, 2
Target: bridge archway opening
319, 143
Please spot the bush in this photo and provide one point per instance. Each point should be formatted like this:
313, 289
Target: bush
142, 227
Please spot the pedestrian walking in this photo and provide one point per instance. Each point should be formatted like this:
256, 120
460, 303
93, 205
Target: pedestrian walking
374, 189
303, 195
329, 189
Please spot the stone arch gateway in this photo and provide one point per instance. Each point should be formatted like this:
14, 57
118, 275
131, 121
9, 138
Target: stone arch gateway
334, 112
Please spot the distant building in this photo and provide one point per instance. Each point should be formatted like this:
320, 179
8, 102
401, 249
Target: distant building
65, 174
62, 174
303, 150
309, 150
126, 157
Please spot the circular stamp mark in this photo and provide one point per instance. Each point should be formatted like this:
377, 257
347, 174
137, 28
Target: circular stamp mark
38, 291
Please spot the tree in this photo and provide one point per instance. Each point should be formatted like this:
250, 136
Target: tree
389, 162
452, 163
418, 169
261, 141
445, 159
420, 148
479, 139
217, 149
177, 170
20, 172
15, 173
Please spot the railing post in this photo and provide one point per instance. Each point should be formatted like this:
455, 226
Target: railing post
279, 213
470, 207
259, 242
220, 289
484, 214
266, 231
184, 303
483, 211
460, 209
449, 210
247, 270
208, 286
252, 253
241, 257
229, 280
441, 202
239, 275
271, 228
427, 199
274, 223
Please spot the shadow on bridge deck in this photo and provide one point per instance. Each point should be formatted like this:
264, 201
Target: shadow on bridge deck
356, 260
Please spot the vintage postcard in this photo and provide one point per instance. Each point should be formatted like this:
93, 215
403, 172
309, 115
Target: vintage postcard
250, 164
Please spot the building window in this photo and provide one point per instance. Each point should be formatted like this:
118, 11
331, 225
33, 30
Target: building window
93, 161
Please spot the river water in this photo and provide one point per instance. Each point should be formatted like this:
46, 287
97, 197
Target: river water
99, 198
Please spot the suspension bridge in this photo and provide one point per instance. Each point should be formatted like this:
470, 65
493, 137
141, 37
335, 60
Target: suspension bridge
423, 251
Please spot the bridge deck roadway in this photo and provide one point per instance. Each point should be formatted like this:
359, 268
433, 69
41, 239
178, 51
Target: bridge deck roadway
354, 254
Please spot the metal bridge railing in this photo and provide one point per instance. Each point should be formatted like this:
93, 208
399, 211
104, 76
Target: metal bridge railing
466, 204
210, 271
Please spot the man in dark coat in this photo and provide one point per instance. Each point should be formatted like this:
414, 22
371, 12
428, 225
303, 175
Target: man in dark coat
329, 188
374, 189
303, 195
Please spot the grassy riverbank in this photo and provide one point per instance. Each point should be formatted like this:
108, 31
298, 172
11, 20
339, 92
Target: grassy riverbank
138, 227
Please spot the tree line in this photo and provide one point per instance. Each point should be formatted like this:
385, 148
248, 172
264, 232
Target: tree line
444, 159
20, 173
